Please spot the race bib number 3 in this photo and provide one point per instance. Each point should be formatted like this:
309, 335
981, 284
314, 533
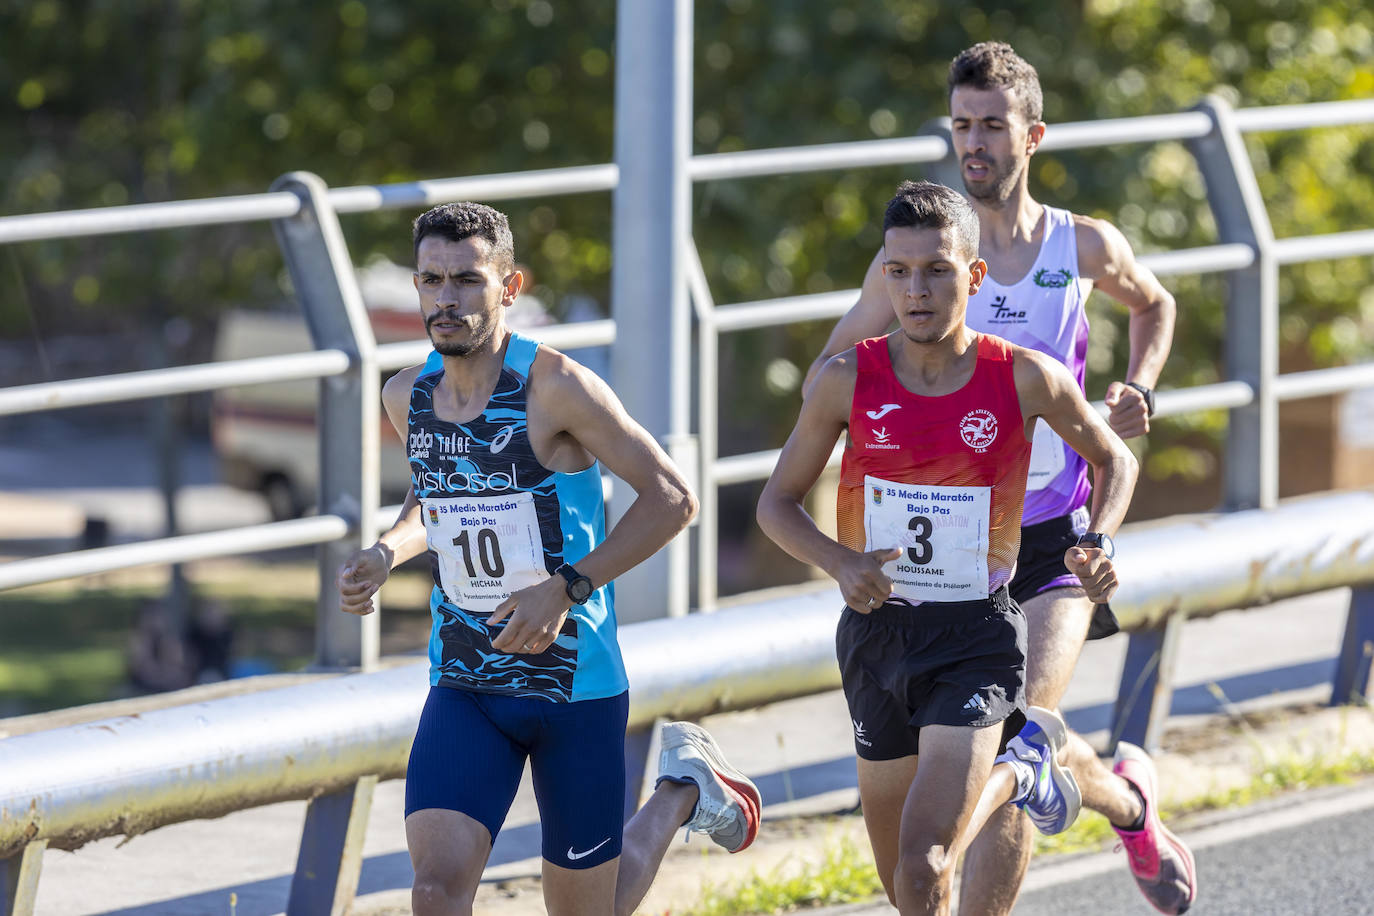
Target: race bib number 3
941, 531
487, 548
1047, 456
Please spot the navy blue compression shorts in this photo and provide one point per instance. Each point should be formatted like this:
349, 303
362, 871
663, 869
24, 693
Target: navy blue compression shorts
470, 752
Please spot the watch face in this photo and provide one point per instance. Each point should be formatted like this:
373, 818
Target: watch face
580, 589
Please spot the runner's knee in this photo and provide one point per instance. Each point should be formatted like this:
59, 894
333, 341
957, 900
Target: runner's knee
924, 871
431, 895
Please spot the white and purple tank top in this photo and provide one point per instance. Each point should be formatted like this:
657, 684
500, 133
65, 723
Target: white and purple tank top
1044, 311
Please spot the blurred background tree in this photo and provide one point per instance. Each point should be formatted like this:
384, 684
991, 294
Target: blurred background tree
115, 103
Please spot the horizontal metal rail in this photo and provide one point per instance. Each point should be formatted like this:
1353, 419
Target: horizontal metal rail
816, 157
152, 383
570, 336
1319, 382
211, 211
1299, 117
130, 774
163, 551
1185, 125
1324, 247
743, 316
604, 177
1215, 396
578, 179
1206, 259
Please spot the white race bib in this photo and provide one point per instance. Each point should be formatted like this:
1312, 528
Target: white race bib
1047, 456
943, 534
488, 547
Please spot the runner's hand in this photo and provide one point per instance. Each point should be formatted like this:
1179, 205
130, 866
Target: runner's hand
536, 617
360, 578
862, 581
1094, 570
1130, 415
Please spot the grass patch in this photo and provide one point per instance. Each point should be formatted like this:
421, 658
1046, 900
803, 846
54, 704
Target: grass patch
845, 874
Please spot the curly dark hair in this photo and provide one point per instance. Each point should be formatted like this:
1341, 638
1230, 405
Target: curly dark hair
994, 65
458, 221
927, 205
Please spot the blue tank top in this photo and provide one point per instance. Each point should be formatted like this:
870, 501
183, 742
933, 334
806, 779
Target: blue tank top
497, 521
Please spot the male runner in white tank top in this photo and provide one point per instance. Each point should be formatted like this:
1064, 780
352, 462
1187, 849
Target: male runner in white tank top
1042, 263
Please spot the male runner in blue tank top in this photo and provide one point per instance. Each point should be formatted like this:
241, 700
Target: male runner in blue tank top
506, 440
1042, 263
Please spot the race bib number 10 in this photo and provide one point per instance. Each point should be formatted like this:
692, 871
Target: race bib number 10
487, 547
942, 533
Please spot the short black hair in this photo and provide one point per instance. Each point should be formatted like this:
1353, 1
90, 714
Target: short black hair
458, 221
994, 65
927, 205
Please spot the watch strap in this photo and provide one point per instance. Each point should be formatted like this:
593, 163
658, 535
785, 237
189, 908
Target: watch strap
1148, 394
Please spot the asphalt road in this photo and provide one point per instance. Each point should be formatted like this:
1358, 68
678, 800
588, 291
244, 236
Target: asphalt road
1310, 853
1304, 854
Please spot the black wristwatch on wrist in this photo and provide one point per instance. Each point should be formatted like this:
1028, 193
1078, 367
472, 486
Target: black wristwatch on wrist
579, 587
1099, 540
1148, 394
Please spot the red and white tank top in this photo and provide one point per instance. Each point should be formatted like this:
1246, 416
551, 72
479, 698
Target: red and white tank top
942, 478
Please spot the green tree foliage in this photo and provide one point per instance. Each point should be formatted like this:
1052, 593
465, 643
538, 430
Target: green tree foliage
143, 101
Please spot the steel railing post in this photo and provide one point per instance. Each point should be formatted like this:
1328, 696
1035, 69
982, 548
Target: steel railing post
1250, 473
19, 880
708, 430
331, 853
313, 246
1354, 680
1147, 685
651, 359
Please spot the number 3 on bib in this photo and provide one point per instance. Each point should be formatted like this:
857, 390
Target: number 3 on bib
943, 533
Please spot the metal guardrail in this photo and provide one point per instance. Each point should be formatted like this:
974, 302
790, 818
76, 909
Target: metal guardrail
325, 739
305, 217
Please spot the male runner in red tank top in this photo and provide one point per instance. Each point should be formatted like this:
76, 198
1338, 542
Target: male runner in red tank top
931, 646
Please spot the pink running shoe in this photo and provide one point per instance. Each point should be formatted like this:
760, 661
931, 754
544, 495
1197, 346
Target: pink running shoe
1162, 864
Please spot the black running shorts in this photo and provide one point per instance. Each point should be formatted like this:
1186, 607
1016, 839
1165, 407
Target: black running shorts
938, 663
1040, 568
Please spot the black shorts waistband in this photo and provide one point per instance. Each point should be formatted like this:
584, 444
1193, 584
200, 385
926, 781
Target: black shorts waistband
943, 612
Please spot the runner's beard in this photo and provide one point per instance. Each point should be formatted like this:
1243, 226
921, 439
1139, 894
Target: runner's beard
995, 192
480, 333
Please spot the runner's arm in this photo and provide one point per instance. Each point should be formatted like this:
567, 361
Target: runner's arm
870, 316
781, 514
1049, 392
585, 408
1106, 257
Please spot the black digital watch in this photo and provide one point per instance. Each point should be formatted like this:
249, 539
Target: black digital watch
1148, 394
579, 587
1099, 540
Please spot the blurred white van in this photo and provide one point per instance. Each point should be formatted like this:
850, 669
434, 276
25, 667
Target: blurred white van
265, 435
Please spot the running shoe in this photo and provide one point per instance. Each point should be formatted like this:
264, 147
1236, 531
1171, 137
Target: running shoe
728, 804
1162, 864
1047, 792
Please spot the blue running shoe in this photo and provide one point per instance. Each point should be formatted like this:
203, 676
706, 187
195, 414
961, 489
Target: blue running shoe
1048, 793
